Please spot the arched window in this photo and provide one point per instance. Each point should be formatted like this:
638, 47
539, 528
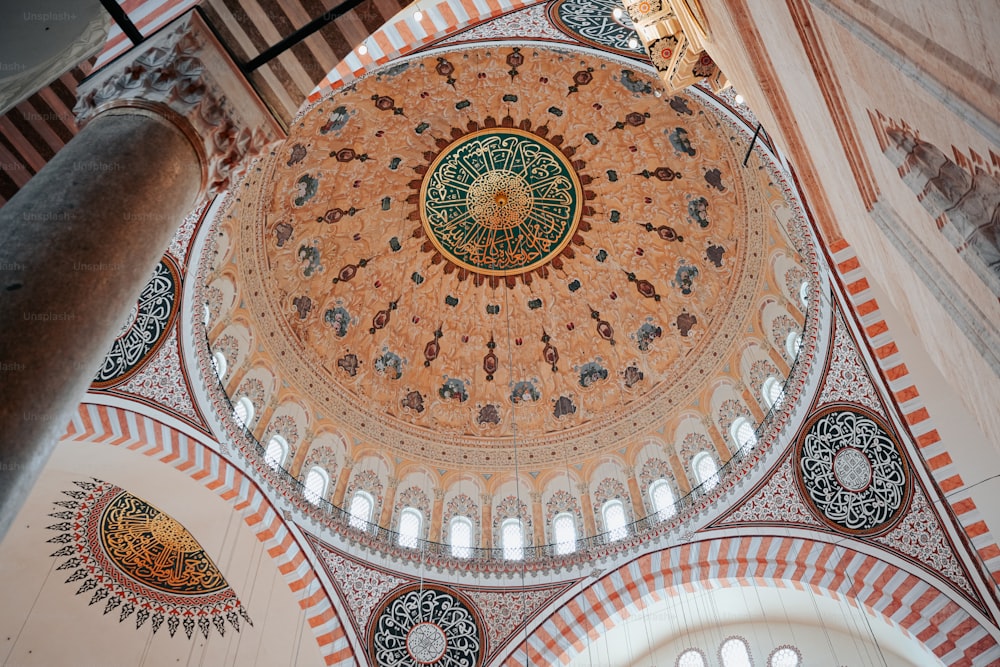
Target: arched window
460, 534
564, 532
785, 656
792, 344
692, 658
362, 506
662, 497
735, 653
410, 522
615, 522
705, 470
317, 480
243, 411
804, 293
277, 450
219, 364
512, 539
741, 431
773, 392
206, 315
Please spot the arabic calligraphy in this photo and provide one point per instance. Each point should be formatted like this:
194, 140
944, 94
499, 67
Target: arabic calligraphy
500, 201
154, 549
594, 22
426, 626
853, 472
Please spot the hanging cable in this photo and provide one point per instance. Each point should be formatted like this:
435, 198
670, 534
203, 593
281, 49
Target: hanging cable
517, 470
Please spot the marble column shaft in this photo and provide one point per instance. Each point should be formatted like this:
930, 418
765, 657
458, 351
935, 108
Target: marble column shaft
163, 126
80, 241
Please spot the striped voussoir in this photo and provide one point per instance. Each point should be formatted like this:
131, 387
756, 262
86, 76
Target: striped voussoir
34, 130
907, 398
404, 34
101, 424
901, 598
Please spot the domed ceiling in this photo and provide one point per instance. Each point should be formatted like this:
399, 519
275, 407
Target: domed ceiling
505, 255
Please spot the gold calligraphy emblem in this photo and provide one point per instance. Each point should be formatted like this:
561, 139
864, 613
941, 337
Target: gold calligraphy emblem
156, 550
500, 201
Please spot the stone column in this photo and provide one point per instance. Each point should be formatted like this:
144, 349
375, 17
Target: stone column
587, 507
719, 439
538, 518
638, 507
436, 514
345, 475
385, 518
264, 418
162, 127
754, 399
487, 525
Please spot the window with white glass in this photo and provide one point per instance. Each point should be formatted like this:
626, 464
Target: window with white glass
741, 431
564, 533
705, 470
785, 656
316, 483
362, 506
277, 450
804, 293
615, 522
243, 411
662, 497
219, 364
773, 392
692, 658
735, 653
410, 521
512, 539
460, 534
206, 315
792, 344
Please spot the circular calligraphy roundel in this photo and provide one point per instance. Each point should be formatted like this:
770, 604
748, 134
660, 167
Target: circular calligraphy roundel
500, 201
595, 23
426, 626
852, 471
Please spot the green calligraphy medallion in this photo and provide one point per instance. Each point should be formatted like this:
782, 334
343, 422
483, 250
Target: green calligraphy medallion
500, 202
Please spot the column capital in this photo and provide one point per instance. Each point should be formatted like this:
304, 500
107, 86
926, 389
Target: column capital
184, 75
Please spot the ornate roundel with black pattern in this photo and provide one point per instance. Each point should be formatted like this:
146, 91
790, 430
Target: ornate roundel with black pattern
852, 471
145, 328
426, 625
594, 22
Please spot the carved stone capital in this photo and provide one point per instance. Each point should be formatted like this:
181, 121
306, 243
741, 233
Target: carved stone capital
183, 74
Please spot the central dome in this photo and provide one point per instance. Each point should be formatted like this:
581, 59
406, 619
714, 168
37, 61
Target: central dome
504, 252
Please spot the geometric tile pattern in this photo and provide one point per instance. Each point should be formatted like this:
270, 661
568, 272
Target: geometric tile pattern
144, 435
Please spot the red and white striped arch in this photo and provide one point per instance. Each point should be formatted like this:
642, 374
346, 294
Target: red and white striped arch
911, 405
905, 600
404, 34
101, 424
